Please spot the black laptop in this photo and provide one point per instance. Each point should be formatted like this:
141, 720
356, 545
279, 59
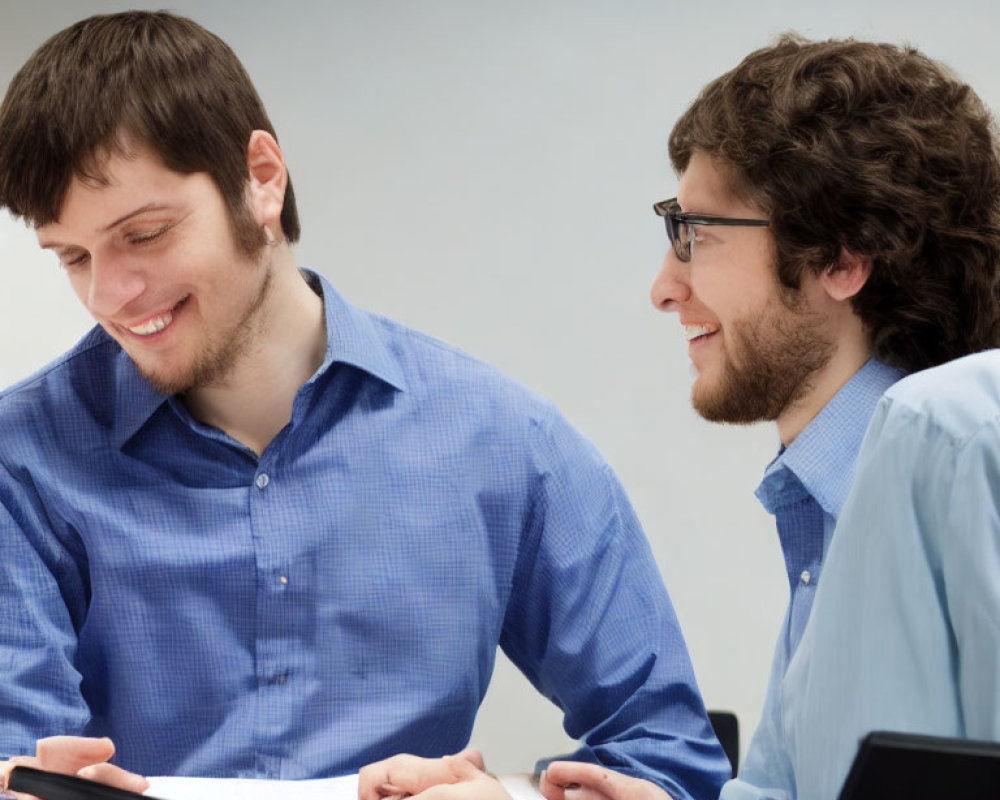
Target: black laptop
905, 766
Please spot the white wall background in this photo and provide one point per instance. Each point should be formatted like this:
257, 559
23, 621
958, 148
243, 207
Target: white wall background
484, 171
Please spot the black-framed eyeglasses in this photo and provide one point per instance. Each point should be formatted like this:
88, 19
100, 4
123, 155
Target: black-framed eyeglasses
680, 229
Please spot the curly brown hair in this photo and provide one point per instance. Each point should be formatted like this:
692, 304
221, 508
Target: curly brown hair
879, 150
112, 81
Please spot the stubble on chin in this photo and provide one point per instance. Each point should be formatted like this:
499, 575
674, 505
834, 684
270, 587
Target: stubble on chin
777, 354
220, 356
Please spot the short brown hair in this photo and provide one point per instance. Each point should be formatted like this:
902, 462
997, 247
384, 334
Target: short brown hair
143, 77
879, 150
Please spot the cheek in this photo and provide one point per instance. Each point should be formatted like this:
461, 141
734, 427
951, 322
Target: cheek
731, 294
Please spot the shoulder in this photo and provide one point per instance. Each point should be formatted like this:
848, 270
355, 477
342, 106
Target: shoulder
463, 397
439, 372
958, 398
83, 375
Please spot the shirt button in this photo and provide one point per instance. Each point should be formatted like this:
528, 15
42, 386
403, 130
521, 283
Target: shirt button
284, 580
262, 480
805, 577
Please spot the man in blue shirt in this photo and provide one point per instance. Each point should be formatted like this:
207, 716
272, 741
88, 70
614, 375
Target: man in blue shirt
247, 529
836, 225
879, 177
904, 632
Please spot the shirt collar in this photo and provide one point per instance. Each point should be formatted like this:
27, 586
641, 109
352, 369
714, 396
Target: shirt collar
352, 338
821, 459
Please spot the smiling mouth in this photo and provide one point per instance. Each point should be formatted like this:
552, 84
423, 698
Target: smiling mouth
156, 323
695, 332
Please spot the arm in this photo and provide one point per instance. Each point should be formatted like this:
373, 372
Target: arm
590, 624
970, 566
766, 771
903, 631
43, 599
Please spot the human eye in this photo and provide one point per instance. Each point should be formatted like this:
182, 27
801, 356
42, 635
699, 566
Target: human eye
146, 236
693, 232
73, 259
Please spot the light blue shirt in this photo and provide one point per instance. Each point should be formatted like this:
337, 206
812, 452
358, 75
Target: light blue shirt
805, 488
905, 631
341, 598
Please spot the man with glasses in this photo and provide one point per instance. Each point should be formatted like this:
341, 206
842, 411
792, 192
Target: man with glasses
247, 529
836, 225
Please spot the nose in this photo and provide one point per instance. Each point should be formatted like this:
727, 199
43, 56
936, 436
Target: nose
111, 285
671, 286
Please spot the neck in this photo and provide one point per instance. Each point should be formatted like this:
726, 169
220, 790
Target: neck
254, 401
851, 353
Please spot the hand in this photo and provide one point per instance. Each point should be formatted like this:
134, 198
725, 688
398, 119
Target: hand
576, 780
76, 755
458, 777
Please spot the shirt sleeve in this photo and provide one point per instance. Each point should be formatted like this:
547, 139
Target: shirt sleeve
970, 568
766, 772
591, 626
40, 594
904, 628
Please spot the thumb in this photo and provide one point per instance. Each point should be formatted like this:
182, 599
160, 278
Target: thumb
473, 755
462, 768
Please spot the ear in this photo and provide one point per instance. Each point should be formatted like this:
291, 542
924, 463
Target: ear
846, 277
268, 178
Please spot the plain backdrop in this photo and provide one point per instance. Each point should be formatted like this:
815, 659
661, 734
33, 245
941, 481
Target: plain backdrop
484, 172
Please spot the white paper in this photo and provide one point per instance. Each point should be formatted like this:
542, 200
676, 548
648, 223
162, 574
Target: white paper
343, 788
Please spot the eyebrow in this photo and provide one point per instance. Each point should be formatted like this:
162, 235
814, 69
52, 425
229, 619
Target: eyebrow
124, 218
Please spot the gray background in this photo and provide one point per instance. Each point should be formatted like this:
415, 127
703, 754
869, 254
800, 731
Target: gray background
484, 172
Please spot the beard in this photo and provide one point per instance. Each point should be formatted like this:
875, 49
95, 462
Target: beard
775, 355
222, 353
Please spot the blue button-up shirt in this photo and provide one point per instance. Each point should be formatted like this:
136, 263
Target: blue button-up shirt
339, 599
905, 631
805, 488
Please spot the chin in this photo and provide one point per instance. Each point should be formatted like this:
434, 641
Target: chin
164, 380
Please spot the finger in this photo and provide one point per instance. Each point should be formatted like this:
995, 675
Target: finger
401, 775
585, 793
562, 777
115, 776
480, 787
16, 761
551, 790
373, 779
583, 781
69, 754
474, 755
7, 766
576, 773
462, 768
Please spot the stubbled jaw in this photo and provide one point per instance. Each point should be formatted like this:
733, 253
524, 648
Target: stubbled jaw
692, 332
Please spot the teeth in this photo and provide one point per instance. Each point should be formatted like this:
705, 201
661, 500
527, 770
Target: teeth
153, 325
694, 331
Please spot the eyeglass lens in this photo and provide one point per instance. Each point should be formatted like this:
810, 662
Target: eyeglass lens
679, 234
